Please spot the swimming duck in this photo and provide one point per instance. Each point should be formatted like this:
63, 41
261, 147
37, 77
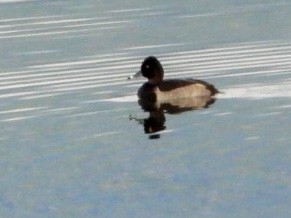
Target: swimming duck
159, 89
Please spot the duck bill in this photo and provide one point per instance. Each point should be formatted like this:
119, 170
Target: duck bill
137, 75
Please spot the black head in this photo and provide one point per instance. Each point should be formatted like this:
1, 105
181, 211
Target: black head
152, 68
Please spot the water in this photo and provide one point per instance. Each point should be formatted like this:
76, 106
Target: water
72, 135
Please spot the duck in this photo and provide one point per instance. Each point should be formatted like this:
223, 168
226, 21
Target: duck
158, 89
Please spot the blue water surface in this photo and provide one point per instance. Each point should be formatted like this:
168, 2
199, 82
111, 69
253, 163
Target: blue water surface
72, 135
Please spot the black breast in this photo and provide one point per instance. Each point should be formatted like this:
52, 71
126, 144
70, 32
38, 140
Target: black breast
147, 92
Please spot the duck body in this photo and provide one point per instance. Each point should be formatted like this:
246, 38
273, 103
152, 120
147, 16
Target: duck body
162, 90
176, 88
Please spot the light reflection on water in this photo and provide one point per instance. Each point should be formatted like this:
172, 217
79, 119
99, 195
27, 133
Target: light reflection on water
69, 148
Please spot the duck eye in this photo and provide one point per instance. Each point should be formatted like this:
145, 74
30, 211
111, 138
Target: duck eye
147, 66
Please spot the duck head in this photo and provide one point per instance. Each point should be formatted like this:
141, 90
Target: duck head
151, 69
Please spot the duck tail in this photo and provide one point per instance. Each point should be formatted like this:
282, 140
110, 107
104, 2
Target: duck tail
213, 90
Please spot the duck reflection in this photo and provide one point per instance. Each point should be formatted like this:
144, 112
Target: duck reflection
156, 121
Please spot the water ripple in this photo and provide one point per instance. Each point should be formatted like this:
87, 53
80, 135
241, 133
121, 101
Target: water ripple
97, 72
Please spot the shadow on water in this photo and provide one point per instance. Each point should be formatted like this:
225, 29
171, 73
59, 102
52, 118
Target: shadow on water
156, 122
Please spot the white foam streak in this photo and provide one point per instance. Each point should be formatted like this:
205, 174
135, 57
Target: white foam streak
235, 66
61, 27
242, 55
14, 1
260, 91
130, 98
237, 48
63, 81
85, 62
153, 46
31, 18
17, 94
60, 109
92, 86
105, 134
14, 119
37, 96
58, 32
52, 22
21, 110
131, 10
